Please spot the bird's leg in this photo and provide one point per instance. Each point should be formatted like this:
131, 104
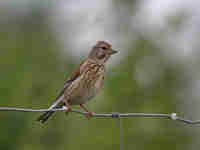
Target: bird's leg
89, 114
68, 107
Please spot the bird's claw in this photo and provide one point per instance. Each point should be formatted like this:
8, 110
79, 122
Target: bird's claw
89, 115
68, 109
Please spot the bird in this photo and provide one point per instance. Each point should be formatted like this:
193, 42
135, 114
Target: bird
85, 82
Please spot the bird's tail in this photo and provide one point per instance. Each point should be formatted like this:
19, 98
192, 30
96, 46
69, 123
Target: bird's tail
45, 116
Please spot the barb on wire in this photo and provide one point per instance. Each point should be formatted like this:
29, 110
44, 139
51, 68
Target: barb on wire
172, 116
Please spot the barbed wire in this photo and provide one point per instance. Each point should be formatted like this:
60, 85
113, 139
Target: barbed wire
172, 116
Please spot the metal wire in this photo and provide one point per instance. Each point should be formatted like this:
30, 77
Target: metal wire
117, 115
121, 133
172, 116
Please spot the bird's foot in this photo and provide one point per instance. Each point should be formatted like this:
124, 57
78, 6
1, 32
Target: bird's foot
68, 109
89, 115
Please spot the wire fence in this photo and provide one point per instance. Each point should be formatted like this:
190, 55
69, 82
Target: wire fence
172, 116
117, 115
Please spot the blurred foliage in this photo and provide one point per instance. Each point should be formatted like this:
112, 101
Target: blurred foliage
32, 75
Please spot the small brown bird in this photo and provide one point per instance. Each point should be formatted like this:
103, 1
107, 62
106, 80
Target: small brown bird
85, 82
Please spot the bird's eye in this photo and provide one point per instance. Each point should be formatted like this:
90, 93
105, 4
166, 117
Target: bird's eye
104, 48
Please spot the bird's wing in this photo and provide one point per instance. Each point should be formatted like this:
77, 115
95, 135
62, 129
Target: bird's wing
67, 83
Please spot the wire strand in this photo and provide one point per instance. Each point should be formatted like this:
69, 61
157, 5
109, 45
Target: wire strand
121, 133
172, 116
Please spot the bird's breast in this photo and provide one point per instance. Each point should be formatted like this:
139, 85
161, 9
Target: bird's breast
97, 86
87, 86
96, 81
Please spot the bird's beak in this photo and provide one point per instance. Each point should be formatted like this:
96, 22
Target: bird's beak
112, 51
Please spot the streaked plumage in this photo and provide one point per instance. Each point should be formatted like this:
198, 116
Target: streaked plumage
86, 82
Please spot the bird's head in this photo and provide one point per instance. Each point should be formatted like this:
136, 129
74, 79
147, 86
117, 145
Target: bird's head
101, 52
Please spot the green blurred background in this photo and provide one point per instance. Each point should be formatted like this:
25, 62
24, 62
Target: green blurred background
156, 71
